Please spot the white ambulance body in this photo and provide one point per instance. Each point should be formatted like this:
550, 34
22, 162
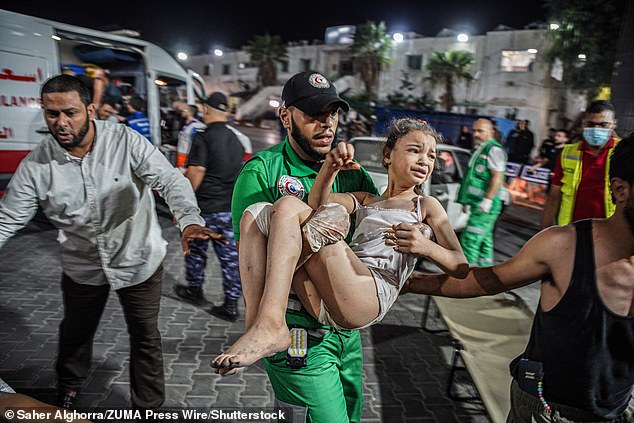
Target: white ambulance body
33, 49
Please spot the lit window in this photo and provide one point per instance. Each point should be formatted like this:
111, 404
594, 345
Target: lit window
517, 61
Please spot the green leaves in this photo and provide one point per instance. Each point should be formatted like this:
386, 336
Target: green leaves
447, 68
370, 51
265, 51
590, 28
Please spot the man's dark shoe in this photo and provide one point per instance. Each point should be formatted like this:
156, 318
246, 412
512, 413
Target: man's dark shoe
192, 295
65, 399
228, 311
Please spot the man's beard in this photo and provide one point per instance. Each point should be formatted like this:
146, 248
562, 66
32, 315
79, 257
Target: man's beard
77, 139
304, 143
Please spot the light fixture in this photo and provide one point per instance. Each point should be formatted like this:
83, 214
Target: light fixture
160, 82
398, 37
554, 26
462, 37
274, 103
182, 56
532, 50
581, 56
218, 52
55, 37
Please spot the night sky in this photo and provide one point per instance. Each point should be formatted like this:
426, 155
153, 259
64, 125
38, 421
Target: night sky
199, 26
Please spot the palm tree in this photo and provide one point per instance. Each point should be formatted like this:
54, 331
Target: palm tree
369, 53
447, 68
265, 50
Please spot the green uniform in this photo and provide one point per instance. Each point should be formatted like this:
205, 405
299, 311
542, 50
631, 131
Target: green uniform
477, 238
329, 389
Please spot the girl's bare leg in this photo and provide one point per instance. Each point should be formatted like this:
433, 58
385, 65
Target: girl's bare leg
252, 254
269, 334
345, 285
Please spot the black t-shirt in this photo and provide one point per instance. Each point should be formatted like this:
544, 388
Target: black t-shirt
219, 150
550, 151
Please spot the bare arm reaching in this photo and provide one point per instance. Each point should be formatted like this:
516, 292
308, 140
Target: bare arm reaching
535, 261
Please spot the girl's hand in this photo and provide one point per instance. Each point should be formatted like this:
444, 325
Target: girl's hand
340, 158
410, 238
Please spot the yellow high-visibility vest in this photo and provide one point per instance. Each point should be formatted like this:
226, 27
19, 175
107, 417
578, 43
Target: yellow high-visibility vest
571, 160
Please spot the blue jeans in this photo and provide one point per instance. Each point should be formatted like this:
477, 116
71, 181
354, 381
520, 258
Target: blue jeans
196, 261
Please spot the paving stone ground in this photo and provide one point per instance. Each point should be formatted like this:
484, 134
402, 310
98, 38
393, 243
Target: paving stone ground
405, 368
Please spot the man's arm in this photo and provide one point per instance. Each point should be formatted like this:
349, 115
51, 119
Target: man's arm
195, 174
19, 204
149, 164
553, 200
495, 184
551, 207
532, 263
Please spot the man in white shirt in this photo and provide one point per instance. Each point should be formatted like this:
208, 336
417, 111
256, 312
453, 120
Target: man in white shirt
93, 181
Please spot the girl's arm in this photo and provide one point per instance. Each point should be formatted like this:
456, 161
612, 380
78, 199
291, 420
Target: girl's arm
340, 158
446, 253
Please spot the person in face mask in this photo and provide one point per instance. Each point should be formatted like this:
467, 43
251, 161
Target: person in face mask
580, 184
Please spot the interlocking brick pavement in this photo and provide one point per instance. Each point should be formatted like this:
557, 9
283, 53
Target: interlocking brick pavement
405, 369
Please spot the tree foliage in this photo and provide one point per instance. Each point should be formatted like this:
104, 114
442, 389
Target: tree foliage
266, 51
586, 27
447, 68
370, 52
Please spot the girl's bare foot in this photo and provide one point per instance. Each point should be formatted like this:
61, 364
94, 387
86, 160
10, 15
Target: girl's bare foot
261, 340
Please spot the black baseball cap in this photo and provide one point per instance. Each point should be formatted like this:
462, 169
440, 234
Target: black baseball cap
218, 101
311, 92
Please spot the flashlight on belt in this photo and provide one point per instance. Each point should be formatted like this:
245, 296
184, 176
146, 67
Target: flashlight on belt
298, 350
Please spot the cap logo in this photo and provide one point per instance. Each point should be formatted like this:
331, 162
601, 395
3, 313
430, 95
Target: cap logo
318, 81
288, 185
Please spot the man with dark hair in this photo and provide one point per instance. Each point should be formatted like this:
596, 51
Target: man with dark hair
192, 125
137, 120
580, 186
577, 366
520, 143
93, 180
108, 111
212, 168
324, 385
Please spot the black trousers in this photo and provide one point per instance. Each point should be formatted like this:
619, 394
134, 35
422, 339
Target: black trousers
83, 307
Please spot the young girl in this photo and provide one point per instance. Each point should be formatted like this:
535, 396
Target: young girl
348, 287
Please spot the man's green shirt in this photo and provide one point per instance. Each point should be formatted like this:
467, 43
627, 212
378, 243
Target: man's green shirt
279, 171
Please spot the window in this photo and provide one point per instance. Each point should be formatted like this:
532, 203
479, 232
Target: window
207, 70
369, 154
304, 65
445, 170
284, 66
517, 61
414, 61
345, 67
226, 69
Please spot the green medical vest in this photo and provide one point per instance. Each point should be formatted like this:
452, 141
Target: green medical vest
279, 171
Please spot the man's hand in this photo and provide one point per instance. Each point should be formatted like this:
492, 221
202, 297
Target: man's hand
193, 232
485, 205
340, 157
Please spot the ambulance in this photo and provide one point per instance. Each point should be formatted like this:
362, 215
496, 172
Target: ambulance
33, 49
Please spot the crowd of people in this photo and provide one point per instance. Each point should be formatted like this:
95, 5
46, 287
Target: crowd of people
316, 252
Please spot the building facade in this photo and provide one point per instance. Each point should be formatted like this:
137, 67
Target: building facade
511, 76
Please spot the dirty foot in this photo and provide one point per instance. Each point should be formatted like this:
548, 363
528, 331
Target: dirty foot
261, 340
